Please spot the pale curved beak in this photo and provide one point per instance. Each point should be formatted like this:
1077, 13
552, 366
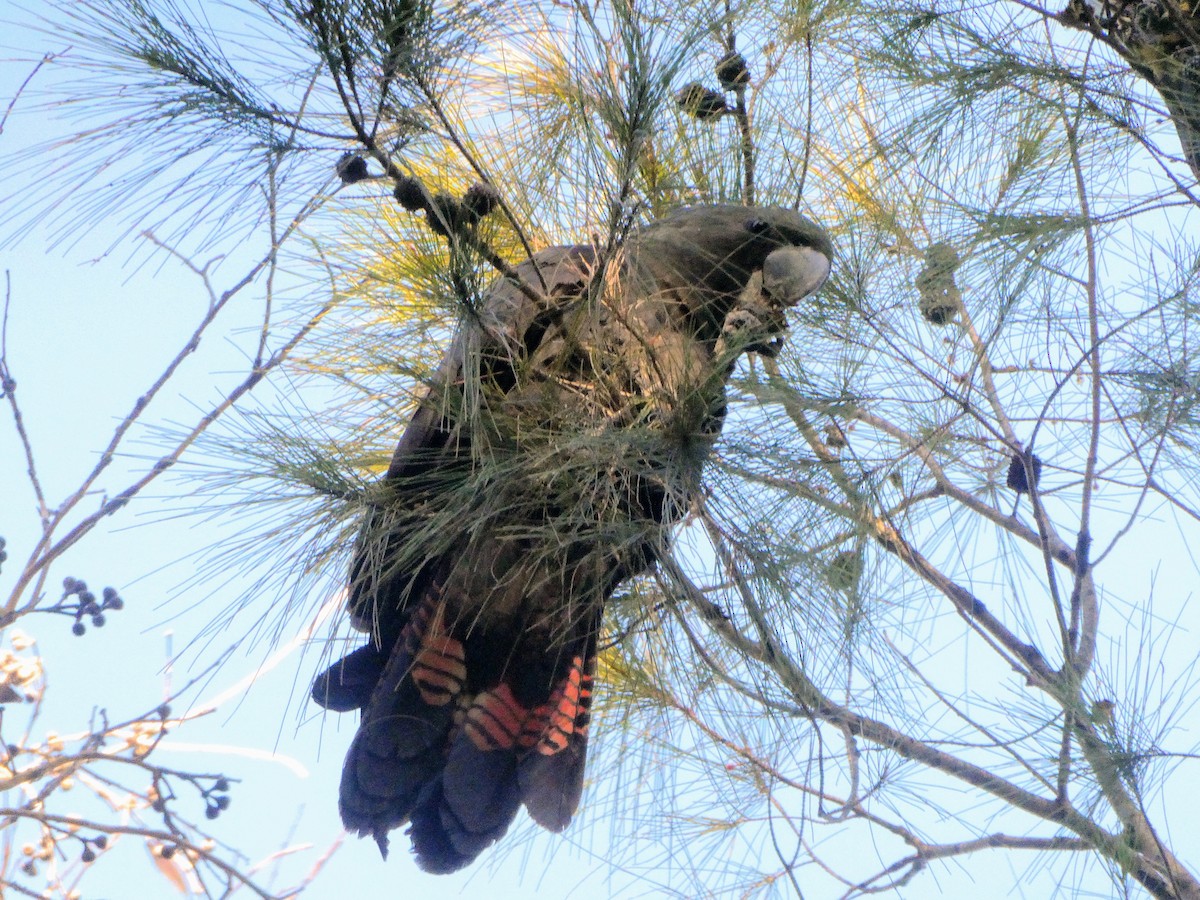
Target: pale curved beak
791, 273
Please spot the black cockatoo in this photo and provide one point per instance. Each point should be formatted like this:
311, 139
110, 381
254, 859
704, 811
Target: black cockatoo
557, 443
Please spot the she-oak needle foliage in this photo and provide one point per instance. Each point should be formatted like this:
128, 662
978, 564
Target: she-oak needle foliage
931, 599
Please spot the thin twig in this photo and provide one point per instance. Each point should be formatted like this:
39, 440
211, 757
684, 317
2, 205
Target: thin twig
1085, 621
808, 116
232, 873
48, 57
47, 550
8, 386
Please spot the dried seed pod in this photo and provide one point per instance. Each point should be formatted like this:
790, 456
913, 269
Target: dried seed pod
480, 200
352, 168
941, 299
1017, 475
845, 570
732, 71
1102, 712
409, 193
444, 215
700, 102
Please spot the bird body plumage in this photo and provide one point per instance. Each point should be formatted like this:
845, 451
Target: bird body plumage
559, 440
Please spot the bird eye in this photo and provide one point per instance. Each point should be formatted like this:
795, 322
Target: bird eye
757, 226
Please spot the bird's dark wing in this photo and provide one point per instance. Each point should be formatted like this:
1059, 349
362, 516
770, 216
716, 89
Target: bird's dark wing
559, 439
492, 343
457, 749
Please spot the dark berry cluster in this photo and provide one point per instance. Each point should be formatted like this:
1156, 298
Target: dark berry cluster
52, 843
85, 604
216, 798
91, 845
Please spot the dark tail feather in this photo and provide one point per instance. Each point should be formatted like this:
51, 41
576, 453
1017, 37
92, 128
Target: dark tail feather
477, 796
506, 754
399, 747
349, 682
457, 765
551, 774
468, 808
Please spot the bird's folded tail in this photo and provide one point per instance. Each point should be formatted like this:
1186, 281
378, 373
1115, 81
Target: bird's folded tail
457, 749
